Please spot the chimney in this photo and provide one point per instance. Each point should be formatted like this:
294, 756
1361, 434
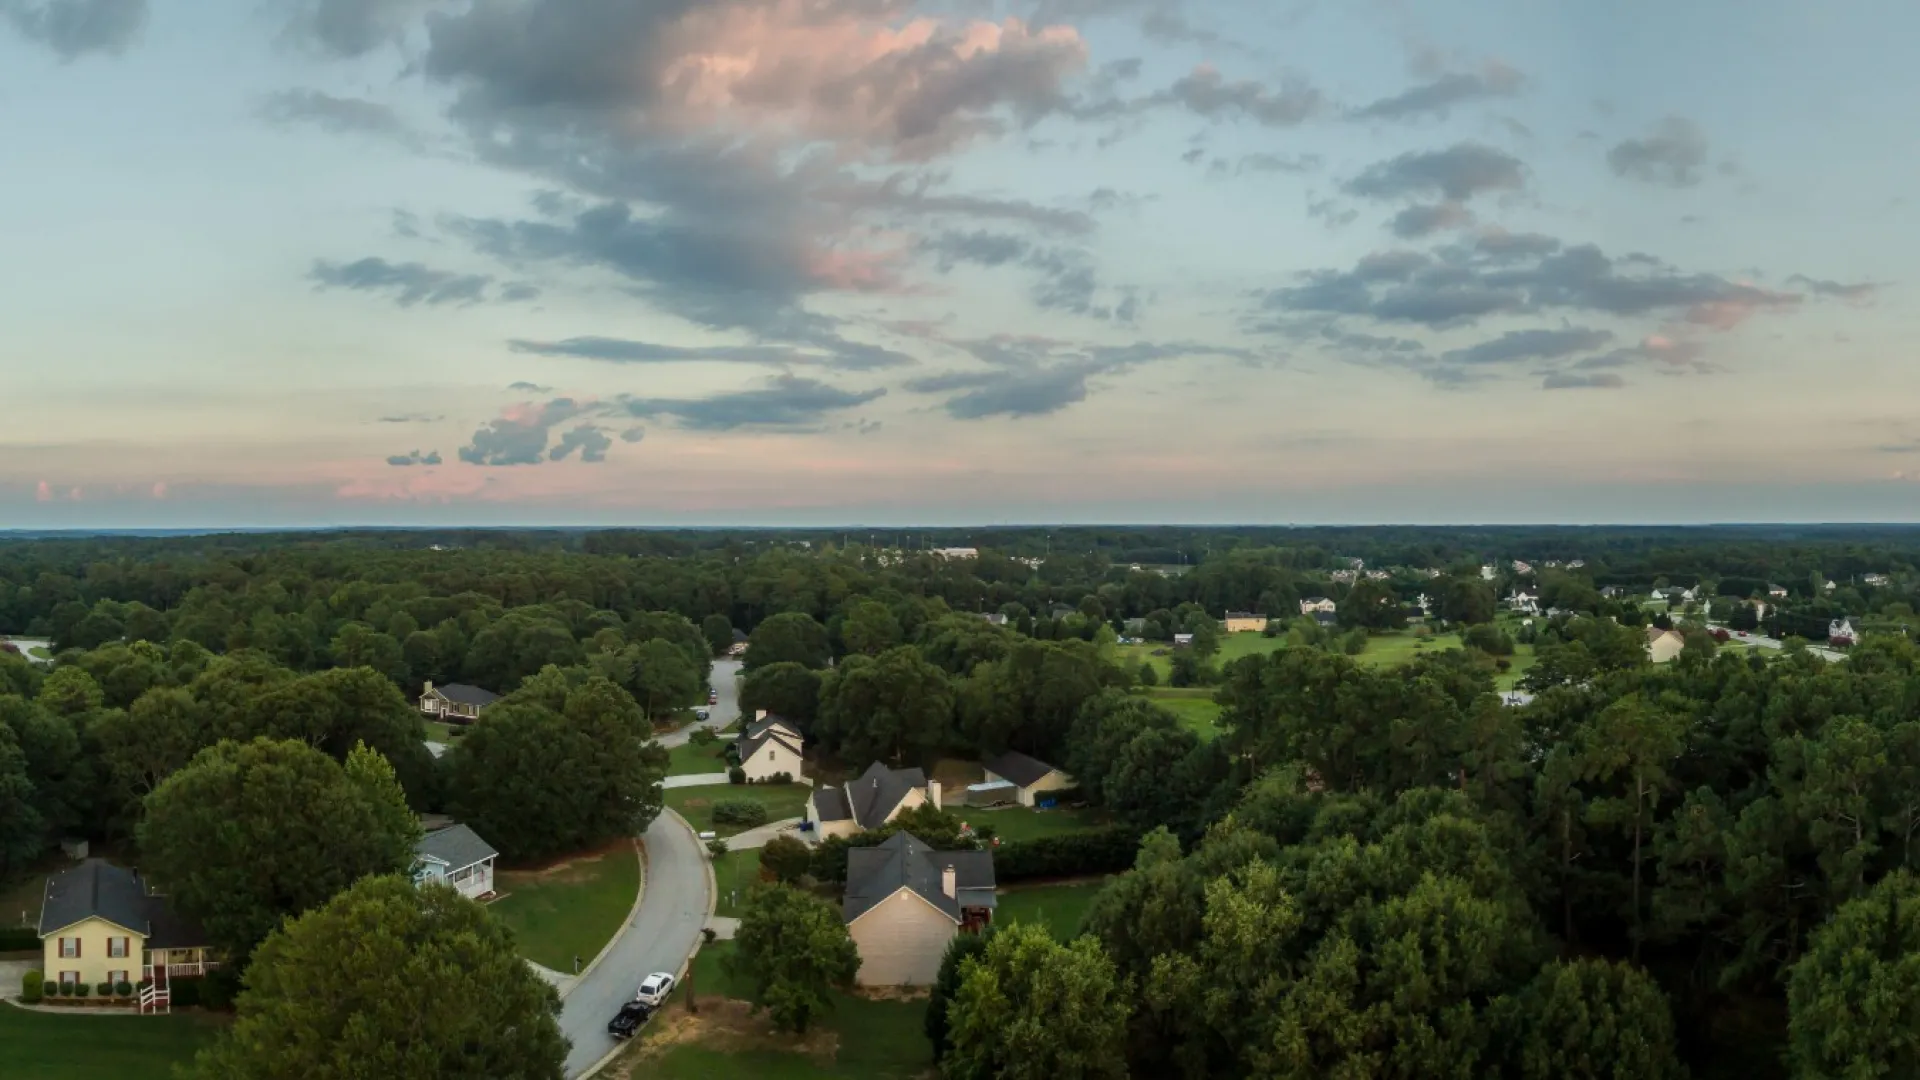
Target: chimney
933, 793
429, 688
946, 880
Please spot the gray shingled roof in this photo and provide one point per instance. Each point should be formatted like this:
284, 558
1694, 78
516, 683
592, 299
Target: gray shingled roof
751, 745
761, 726
1019, 768
462, 694
98, 889
904, 861
830, 804
879, 790
457, 846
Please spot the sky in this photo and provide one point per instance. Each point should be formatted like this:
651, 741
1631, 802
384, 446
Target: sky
653, 262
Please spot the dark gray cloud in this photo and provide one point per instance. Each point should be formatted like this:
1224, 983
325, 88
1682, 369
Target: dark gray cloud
407, 283
1331, 211
1858, 290
1563, 380
528, 387
349, 28
1422, 220
1067, 280
787, 402
1501, 245
1516, 346
979, 247
588, 439
1206, 92
432, 457
1036, 377
412, 418
340, 115
622, 350
520, 435
1457, 174
1672, 154
1439, 96
74, 28
633, 434
1256, 163
519, 292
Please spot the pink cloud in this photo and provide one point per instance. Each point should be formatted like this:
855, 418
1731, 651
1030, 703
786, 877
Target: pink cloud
1729, 313
160, 490
43, 493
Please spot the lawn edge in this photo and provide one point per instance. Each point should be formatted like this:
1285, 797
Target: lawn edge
639, 896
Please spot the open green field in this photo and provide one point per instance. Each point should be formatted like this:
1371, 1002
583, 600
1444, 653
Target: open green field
696, 804
1193, 705
571, 908
1021, 823
48, 1046
860, 1039
688, 759
1062, 908
438, 731
1402, 646
40, 652
1232, 647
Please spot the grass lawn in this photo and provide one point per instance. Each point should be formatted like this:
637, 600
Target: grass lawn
1194, 706
1232, 647
44, 1046
1401, 647
689, 760
1020, 823
572, 908
438, 732
696, 804
40, 652
1061, 907
733, 874
859, 1039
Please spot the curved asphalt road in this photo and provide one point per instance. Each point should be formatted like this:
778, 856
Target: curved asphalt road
666, 928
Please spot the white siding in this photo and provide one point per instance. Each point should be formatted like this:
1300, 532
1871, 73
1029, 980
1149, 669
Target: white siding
772, 757
901, 940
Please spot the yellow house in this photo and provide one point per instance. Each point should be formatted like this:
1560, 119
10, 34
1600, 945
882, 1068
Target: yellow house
905, 901
877, 797
99, 923
1242, 621
1029, 776
1663, 645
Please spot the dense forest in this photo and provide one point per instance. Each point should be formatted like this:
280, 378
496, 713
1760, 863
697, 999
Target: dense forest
1694, 868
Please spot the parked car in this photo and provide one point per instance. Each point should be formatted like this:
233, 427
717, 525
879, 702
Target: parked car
628, 1019
701, 714
654, 989
713, 697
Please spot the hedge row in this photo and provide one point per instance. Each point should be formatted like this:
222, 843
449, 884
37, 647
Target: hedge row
1107, 850
19, 939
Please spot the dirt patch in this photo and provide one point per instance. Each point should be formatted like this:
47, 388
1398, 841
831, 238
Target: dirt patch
691, 803
893, 993
722, 1023
567, 867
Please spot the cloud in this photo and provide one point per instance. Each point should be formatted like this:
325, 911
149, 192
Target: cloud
1860, 290
43, 492
589, 440
531, 388
349, 28
1206, 92
1067, 280
633, 434
1438, 97
1561, 380
1457, 174
1672, 154
1529, 345
74, 28
519, 436
788, 402
408, 283
851, 356
339, 115
415, 458
1036, 377
1419, 220
411, 418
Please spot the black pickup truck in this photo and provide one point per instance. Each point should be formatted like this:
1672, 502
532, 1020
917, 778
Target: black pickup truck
629, 1019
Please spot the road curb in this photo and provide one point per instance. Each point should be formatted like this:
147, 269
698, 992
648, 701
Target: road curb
640, 896
698, 941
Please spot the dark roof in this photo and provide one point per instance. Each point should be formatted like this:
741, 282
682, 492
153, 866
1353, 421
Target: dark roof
759, 727
739, 636
98, 889
830, 804
751, 745
457, 846
905, 861
879, 790
1243, 615
1325, 618
462, 694
1019, 768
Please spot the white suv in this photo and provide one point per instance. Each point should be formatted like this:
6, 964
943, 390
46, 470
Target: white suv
654, 988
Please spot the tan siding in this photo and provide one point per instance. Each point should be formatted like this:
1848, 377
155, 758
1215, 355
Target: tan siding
914, 797
93, 963
769, 759
901, 941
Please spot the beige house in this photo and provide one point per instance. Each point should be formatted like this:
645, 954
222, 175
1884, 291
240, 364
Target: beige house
771, 746
1314, 604
875, 798
1029, 776
99, 923
457, 702
1242, 621
1664, 645
905, 902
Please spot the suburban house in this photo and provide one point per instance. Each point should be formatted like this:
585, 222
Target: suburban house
1875, 579
1840, 631
1522, 567
456, 856
1326, 618
1778, 592
1181, 641
1487, 571
1378, 575
957, 553
456, 701
1029, 777
771, 745
1575, 564
1664, 645
1611, 591
994, 618
1239, 621
1317, 603
1345, 577
870, 801
100, 923
1525, 600
1829, 586
905, 901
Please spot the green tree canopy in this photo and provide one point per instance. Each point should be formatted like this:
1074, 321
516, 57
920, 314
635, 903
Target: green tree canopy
1854, 998
794, 950
790, 636
1030, 1008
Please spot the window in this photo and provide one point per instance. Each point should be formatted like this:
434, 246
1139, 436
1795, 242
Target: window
69, 978
117, 977
69, 948
117, 947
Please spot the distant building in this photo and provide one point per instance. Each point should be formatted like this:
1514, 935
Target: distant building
1575, 564
1344, 577
1778, 592
456, 701
1876, 579
1840, 631
1241, 621
1378, 575
957, 553
1487, 571
1525, 601
994, 618
1664, 645
1317, 603
1522, 567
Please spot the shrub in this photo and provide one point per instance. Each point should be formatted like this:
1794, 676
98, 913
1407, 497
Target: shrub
736, 775
744, 812
716, 847
777, 778
104, 990
1149, 676
1503, 664
19, 939
80, 990
30, 986
219, 988
1103, 851
786, 859
123, 988
705, 736
455, 731
184, 993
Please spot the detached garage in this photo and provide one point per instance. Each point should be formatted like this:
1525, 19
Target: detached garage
1029, 776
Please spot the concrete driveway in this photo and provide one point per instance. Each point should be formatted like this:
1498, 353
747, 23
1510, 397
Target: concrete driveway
663, 934
703, 779
11, 972
726, 684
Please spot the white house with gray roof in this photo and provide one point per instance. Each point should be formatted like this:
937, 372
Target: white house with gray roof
455, 856
769, 747
905, 901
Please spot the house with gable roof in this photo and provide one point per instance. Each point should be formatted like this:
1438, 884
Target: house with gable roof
456, 702
455, 856
905, 902
102, 923
869, 801
770, 746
